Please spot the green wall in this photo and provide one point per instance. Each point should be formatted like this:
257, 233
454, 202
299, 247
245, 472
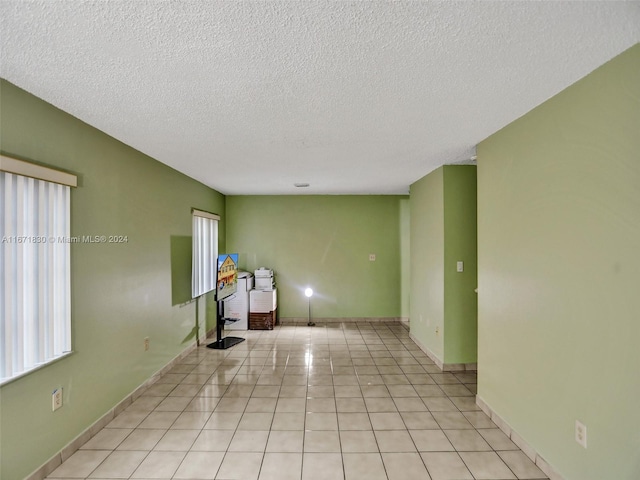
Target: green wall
120, 293
427, 260
559, 265
460, 244
324, 242
443, 311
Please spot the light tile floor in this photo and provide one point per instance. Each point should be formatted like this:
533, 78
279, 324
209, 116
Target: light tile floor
346, 401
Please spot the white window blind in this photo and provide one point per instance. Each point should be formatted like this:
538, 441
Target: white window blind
204, 265
35, 298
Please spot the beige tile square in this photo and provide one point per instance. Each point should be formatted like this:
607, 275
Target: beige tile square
223, 421
256, 421
185, 391
291, 405
486, 466
80, 464
107, 439
456, 390
173, 404
402, 391
177, 440
266, 391
159, 420
200, 465
497, 439
390, 370
479, 419
293, 391
288, 421
451, 420
345, 380
159, 465
354, 421
285, 441
419, 420
465, 404
321, 441
410, 404
467, 440
372, 391
431, 441
428, 390
281, 466
213, 441
202, 404
446, 466
396, 379
128, 419
375, 404
322, 466
350, 404
440, 404
521, 465
370, 380
232, 404
358, 466
404, 466
240, 466
191, 420
212, 390
249, 441
315, 379
320, 391
142, 439
395, 441
321, 421
386, 421
444, 378
358, 441
321, 405
261, 405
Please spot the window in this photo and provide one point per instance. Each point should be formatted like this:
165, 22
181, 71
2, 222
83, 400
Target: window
205, 252
35, 266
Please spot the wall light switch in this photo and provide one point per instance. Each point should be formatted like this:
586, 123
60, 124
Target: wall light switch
460, 267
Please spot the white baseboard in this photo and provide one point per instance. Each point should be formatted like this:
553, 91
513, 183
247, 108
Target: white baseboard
301, 320
445, 367
527, 449
55, 461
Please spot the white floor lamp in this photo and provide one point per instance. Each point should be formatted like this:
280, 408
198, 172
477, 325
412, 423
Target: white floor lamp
309, 293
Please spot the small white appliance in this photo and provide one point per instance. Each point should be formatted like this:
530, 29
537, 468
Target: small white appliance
264, 279
263, 301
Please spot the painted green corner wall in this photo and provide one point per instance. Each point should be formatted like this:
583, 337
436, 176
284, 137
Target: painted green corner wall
460, 244
324, 242
427, 262
443, 232
120, 293
559, 269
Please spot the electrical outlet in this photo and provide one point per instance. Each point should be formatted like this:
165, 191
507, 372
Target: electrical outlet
56, 399
372, 257
437, 330
460, 267
146, 343
581, 434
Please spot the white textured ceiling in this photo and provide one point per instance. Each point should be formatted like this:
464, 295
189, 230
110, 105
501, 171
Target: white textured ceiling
352, 97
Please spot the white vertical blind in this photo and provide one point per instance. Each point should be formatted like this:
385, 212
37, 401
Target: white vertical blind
35, 298
205, 253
